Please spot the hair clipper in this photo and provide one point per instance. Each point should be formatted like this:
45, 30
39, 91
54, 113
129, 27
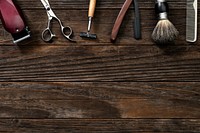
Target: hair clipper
13, 21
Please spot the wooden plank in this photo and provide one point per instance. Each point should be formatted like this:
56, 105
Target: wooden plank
99, 100
98, 90
99, 63
100, 125
102, 4
102, 26
95, 108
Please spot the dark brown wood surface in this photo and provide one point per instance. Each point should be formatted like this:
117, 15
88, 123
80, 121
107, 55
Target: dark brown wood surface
95, 85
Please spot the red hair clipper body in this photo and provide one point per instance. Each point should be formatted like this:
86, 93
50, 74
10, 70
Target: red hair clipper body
13, 21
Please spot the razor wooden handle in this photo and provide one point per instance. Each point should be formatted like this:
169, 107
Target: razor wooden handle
91, 8
119, 19
11, 17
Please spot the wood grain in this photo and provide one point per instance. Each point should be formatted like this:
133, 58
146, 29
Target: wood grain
102, 63
100, 100
99, 126
99, 107
103, 4
95, 85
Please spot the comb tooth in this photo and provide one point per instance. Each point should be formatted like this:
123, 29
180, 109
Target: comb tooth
191, 21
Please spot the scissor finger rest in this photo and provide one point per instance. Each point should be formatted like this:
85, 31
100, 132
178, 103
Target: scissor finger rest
67, 33
47, 35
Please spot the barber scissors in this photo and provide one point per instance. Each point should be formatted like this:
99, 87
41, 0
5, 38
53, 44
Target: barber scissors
47, 34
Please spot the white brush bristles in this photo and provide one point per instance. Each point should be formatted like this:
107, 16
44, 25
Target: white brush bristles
164, 32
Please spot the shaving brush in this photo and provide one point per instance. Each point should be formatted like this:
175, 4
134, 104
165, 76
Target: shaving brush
165, 31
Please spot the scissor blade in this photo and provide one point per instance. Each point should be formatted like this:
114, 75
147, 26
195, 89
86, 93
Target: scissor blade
45, 4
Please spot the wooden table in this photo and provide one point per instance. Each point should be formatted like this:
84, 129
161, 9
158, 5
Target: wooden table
95, 85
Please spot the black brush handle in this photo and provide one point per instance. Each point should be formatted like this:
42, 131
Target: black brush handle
137, 22
161, 7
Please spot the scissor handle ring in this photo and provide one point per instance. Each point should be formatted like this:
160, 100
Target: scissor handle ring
47, 35
67, 32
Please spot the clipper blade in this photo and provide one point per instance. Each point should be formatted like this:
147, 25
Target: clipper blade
20, 36
88, 35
